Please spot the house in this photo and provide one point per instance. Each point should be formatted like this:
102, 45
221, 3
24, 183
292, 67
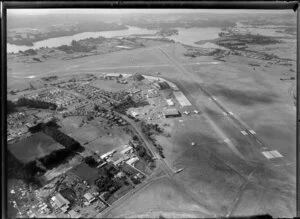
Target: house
120, 174
61, 202
134, 114
89, 197
171, 113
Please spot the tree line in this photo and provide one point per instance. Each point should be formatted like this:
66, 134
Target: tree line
23, 101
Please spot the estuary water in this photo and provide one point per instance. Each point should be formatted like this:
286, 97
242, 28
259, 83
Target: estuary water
187, 36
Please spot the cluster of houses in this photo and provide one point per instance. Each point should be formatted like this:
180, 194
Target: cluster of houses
112, 117
87, 109
94, 93
58, 201
55, 95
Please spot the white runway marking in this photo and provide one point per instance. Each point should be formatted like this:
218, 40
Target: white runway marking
252, 132
272, 154
231, 113
267, 154
244, 133
276, 154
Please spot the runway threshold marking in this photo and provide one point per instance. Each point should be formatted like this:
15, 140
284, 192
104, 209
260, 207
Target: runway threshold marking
252, 132
276, 154
272, 154
244, 132
267, 154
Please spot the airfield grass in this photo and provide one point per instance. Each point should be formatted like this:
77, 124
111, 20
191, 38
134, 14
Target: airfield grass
162, 195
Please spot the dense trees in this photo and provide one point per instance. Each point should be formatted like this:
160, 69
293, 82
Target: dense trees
10, 107
35, 103
76, 46
55, 158
124, 105
150, 130
61, 138
90, 160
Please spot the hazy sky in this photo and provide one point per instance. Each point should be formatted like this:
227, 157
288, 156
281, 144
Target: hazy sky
121, 11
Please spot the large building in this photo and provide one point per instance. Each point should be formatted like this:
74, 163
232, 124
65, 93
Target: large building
171, 113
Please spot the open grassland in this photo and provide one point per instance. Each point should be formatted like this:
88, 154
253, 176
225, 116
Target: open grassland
161, 195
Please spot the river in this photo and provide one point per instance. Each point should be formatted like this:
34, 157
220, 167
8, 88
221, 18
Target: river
187, 36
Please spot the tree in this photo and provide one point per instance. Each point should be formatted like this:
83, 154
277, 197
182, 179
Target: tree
91, 161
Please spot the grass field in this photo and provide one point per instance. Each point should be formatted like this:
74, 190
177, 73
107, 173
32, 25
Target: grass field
160, 195
97, 138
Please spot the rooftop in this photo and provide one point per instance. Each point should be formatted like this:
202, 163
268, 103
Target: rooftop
172, 111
